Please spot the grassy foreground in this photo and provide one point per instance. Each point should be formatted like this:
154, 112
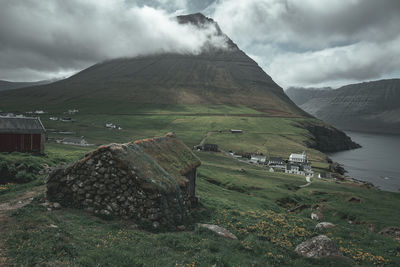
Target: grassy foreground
246, 199
240, 197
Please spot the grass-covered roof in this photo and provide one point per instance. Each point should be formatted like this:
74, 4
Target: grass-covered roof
131, 158
159, 163
171, 153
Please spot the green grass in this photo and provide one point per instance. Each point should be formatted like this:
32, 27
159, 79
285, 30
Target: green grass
240, 197
16, 167
245, 199
268, 135
91, 106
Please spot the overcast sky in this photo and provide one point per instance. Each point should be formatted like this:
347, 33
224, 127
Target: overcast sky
297, 42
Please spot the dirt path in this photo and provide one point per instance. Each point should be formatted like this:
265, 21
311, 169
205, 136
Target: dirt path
11, 205
205, 138
308, 180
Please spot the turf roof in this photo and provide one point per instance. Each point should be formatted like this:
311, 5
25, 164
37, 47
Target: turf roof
159, 163
171, 153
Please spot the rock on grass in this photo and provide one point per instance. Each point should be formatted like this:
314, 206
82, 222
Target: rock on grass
218, 230
318, 247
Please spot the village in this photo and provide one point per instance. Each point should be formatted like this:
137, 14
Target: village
297, 164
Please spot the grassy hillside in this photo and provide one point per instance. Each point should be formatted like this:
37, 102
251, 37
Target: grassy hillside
6, 85
261, 133
245, 199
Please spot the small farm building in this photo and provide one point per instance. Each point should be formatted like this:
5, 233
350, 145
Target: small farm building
255, 158
211, 147
74, 141
275, 161
21, 134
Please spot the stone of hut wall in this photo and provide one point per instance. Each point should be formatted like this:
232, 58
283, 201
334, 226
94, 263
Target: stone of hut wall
100, 185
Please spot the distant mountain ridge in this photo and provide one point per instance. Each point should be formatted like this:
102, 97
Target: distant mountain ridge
7, 85
368, 106
216, 76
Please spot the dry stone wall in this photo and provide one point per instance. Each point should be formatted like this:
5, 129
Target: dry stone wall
104, 184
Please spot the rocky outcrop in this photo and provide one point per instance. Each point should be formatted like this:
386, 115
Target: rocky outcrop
326, 138
391, 231
317, 215
318, 247
121, 180
354, 199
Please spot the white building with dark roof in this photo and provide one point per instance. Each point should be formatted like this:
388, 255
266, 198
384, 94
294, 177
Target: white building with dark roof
300, 158
74, 141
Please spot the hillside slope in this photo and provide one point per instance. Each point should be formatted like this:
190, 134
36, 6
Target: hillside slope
216, 76
369, 106
6, 85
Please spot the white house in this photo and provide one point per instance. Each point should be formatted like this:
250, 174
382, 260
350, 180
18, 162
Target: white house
111, 125
299, 169
276, 163
294, 169
258, 159
73, 111
74, 141
300, 158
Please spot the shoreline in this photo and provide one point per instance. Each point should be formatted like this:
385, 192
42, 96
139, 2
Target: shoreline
374, 163
362, 182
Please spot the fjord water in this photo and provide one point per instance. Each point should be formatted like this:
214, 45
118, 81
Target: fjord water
378, 161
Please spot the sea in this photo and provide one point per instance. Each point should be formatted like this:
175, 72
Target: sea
377, 162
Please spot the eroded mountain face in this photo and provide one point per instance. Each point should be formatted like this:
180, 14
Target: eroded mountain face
371, 106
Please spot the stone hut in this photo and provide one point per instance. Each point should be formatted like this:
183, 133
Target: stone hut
151, 180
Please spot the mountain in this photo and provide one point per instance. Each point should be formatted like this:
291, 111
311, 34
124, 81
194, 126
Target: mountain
216, 76
224, 81
6, 85
368, 106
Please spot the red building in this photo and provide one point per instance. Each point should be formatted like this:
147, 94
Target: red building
21, 134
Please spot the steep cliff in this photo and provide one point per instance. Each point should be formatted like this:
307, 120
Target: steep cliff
370, 106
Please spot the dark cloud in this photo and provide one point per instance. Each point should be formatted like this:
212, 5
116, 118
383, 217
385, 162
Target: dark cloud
308, 42
59, 37
314, 42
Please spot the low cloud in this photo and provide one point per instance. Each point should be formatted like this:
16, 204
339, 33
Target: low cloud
358, 62
299, 43
314, 42
44, 39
